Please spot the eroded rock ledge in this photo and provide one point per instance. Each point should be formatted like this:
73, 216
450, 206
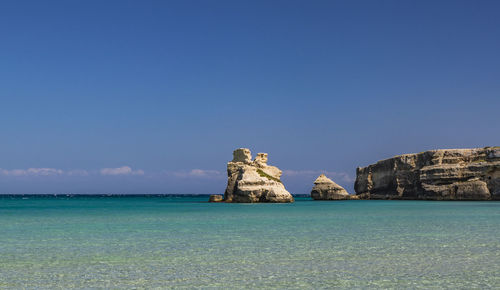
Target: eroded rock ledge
446, 174
254, 181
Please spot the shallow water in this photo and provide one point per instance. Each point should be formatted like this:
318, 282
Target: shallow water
148, 242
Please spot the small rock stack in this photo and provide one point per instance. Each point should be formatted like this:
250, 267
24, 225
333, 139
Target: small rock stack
215, 198
254, 181
325, 189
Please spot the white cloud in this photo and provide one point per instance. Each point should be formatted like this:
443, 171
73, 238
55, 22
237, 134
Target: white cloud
332, 174
32, 172
124, 170
116, 171
199, 173
300, 172
78, 172
138, 172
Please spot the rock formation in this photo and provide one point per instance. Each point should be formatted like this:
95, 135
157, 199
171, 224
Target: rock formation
254, 181
325, 189
451, 174
215, 198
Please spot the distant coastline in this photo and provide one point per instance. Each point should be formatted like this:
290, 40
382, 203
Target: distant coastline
121, 195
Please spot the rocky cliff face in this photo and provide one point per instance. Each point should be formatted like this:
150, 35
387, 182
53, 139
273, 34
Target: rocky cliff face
325, 189
254, 181
450, 174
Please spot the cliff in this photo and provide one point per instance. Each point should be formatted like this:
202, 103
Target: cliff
254, 181
449, 174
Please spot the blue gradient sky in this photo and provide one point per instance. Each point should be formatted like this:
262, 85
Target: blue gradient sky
161, 92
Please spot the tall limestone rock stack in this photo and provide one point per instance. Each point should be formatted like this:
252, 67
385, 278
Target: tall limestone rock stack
325, 189
254, 181
451, 174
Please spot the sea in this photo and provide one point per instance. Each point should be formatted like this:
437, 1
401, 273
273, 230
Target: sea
182, 241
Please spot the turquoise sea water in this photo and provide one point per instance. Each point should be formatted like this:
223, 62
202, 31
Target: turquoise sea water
163, 242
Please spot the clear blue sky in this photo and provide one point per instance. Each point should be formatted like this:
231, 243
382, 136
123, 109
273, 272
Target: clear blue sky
165, 90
